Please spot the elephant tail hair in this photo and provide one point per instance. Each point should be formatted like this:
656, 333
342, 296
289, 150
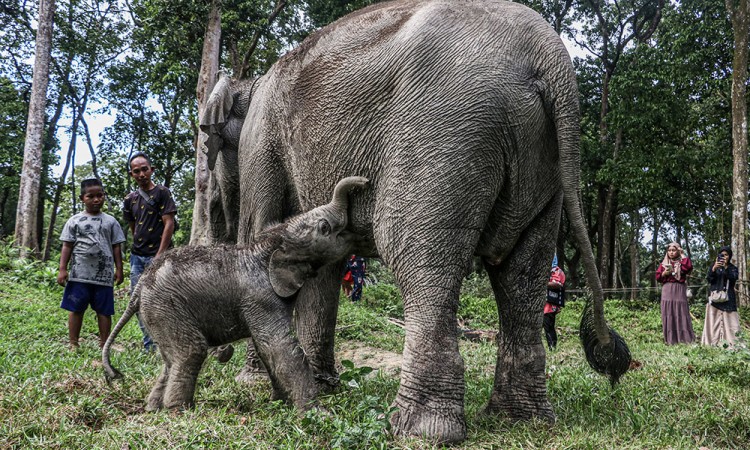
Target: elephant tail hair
611, 359
110, 373
606, 351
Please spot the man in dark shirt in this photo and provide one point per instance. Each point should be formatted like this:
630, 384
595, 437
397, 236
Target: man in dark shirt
150, 212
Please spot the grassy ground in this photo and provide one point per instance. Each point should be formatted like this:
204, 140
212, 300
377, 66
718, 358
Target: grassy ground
684, 396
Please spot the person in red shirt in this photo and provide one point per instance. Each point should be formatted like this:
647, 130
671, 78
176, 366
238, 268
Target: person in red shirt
555, 303
676, 322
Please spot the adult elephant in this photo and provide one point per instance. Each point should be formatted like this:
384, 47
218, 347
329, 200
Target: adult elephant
223, 120
465, 118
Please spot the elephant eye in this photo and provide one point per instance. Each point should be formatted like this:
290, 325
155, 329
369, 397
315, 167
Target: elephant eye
324, 227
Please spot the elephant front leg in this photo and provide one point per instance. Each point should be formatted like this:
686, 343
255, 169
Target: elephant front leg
291, 377
316, 309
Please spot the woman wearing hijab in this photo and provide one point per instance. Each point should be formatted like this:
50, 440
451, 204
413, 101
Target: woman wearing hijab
722, 321
675, 314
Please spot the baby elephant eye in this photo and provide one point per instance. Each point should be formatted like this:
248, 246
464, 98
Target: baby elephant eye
324, 227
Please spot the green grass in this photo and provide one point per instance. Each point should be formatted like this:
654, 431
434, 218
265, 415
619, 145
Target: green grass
680, 397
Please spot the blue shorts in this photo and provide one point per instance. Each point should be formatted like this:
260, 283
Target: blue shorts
78, 296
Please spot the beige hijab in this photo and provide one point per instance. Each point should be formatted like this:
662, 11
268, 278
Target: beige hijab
675, 263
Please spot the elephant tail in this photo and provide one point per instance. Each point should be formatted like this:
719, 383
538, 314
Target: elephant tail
110, 373
606, 351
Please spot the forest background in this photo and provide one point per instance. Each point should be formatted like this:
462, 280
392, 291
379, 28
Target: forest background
655, 89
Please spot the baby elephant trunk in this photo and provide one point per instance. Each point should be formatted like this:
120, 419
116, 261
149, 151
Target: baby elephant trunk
340, 203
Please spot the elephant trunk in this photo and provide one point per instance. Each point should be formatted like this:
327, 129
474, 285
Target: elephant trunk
340, 202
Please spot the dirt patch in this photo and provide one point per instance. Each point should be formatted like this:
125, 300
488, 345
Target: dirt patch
363, 355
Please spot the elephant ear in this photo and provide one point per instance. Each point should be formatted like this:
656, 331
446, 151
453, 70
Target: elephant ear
214, 143
215, 116
287, 277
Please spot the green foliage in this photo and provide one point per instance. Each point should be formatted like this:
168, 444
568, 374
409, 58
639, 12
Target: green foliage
352, 376
368, 323
323, 12
477, 285
361, 424
25, 271
13, 111
385, 299
478, 312
682, 396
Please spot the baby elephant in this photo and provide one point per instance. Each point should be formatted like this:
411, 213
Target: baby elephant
193, 298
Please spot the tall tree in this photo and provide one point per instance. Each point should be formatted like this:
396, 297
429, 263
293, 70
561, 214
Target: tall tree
26, 233
608, 30
87, 41
206, 82
738, 13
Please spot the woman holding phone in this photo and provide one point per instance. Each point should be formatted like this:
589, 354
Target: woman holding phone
676, 322
722, 320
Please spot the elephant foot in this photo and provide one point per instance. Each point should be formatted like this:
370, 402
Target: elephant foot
152, 406
251, 375
222, 353
302, 404
438, 426
327, 382
518, 404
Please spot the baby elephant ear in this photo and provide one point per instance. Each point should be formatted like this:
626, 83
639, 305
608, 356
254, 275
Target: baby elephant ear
287, 277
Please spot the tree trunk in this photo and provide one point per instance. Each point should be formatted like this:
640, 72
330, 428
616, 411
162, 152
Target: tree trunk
560, 245
60, 187
573, 264
634, 249
655, 257
608, 216
738, 11
206, 82
3, 202
26, 233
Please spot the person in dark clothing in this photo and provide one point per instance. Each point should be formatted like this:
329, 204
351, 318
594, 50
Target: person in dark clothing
722, 320
354, 278
150, 213
554, 304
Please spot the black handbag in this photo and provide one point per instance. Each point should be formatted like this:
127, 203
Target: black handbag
556, 298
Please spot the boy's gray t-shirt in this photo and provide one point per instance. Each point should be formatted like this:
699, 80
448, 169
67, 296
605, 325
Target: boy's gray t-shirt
93, 237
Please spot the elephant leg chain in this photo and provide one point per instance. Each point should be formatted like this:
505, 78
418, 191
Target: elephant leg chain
329, 380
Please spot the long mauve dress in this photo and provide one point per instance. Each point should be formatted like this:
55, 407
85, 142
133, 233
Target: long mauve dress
676, 322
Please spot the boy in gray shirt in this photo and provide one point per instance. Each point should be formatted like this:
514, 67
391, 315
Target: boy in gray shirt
91, 244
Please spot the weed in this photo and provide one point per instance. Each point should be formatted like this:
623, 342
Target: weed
682, 396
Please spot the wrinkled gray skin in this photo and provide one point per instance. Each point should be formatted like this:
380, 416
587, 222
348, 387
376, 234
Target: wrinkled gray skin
464, 116
193, 298
223, 125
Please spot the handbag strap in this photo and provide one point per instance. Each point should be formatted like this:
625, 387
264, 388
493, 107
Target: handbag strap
151, 202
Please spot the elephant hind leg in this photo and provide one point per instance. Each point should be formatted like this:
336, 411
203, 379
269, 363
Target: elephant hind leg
155, 399
183, 374
254, 370
519, 284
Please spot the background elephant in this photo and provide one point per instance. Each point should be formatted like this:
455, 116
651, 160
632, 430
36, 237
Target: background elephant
465, 118
193, 298
223, 123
